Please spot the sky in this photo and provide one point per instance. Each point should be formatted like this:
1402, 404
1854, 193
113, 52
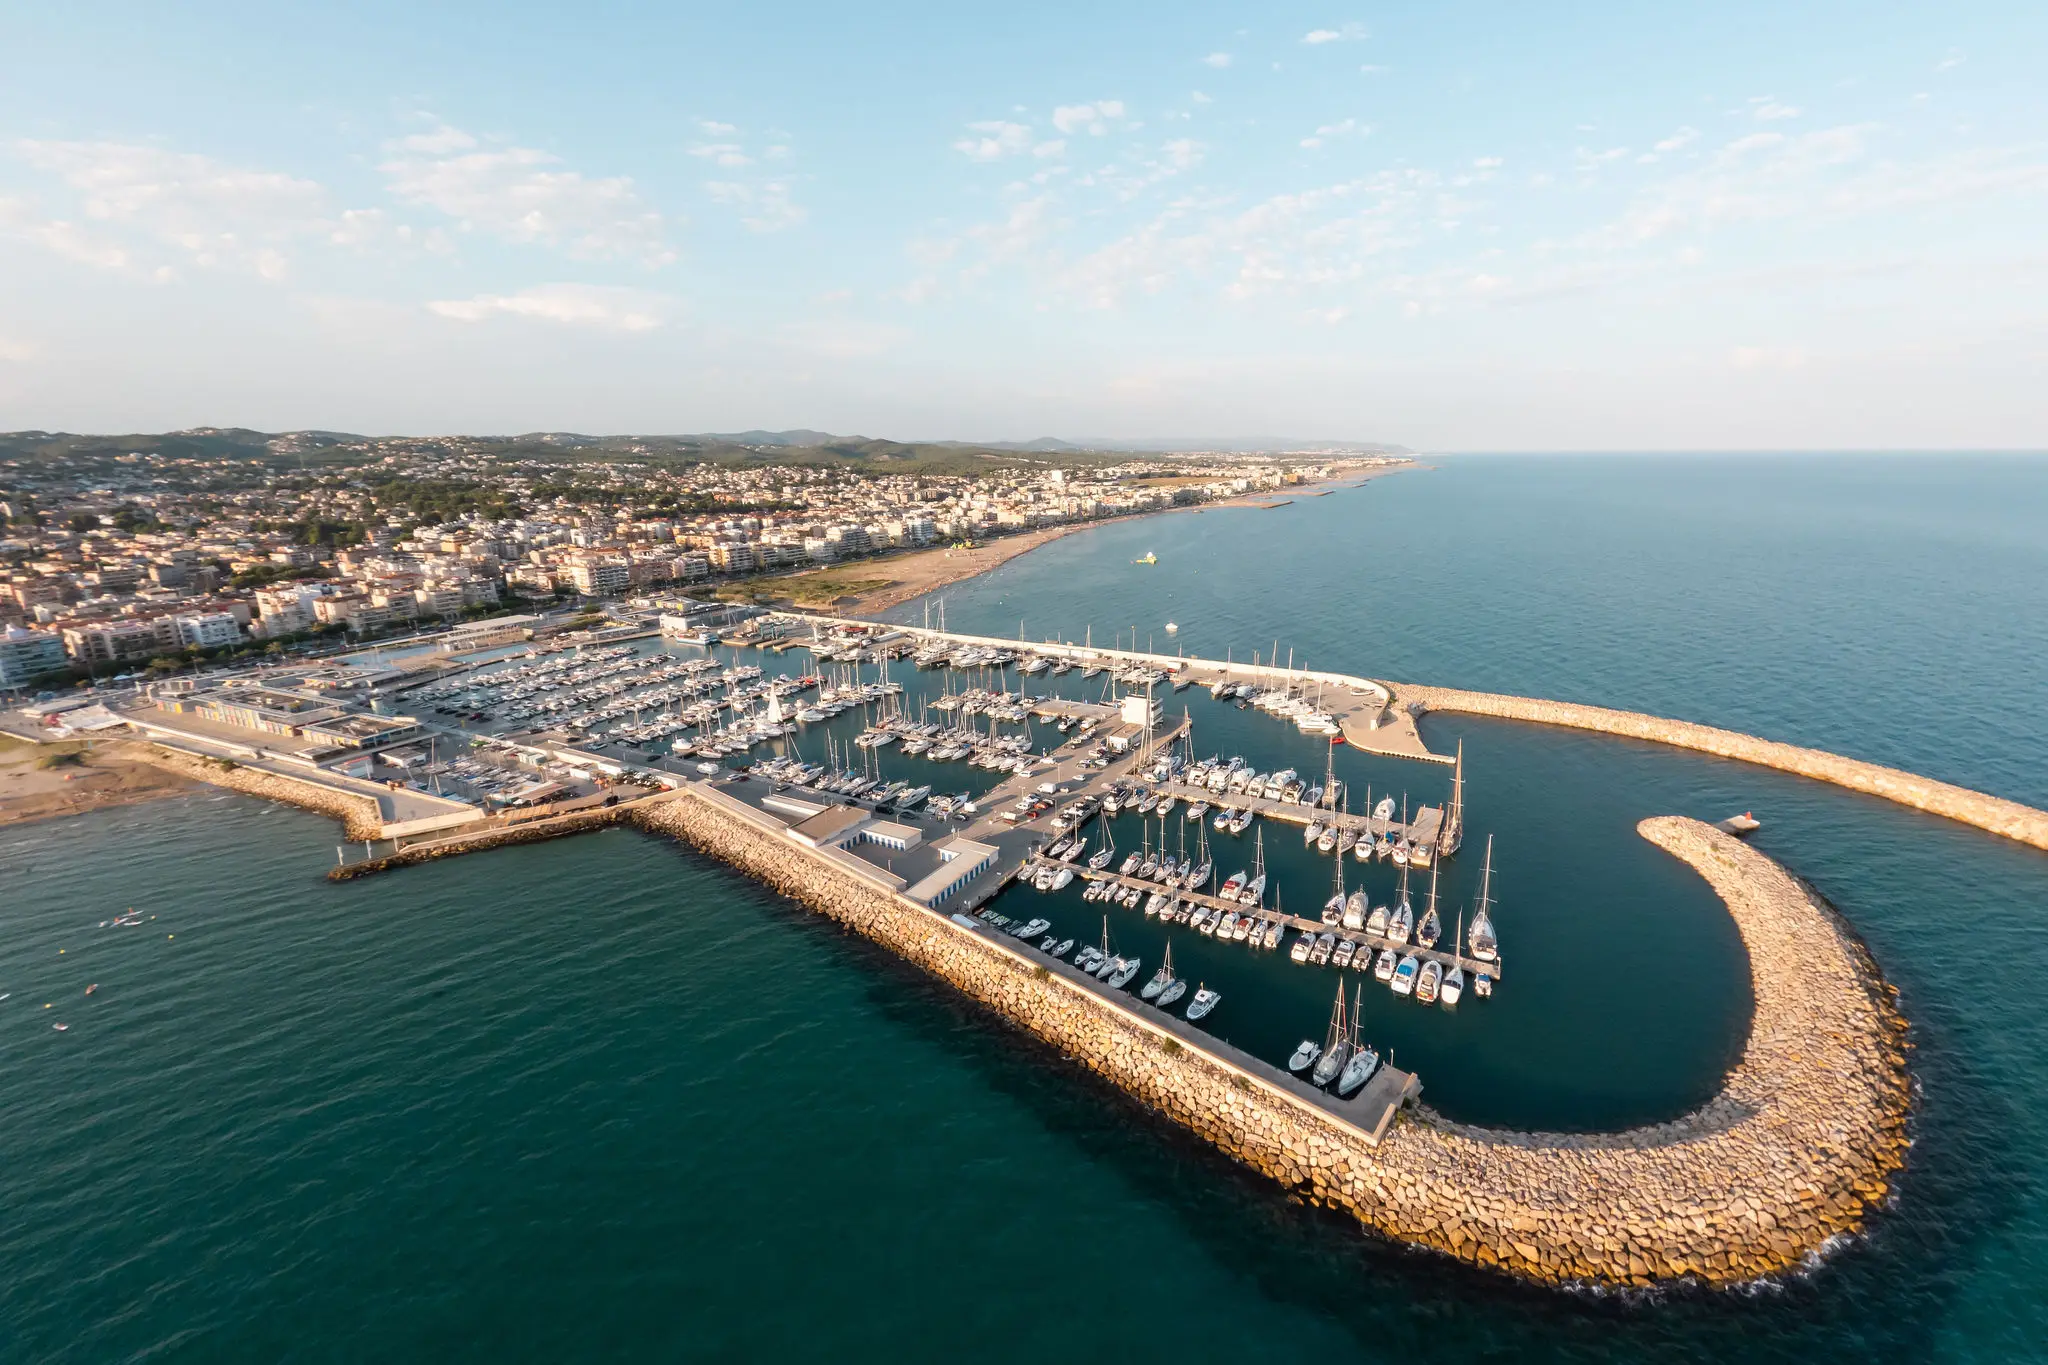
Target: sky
1458, 226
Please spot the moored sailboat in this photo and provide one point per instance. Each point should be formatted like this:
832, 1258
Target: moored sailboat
1364, 1060
1432, 927
1454, 980
1485, 946
1336, 1046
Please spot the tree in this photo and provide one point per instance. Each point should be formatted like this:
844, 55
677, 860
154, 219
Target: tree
81, 522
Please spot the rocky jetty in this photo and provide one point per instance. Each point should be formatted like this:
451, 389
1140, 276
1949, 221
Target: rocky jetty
2008, 819
1794, 1150
359, 815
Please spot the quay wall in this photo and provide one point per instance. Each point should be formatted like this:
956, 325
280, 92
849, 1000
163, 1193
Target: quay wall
1798, 1145
359, 815
2009, 819
1994, 814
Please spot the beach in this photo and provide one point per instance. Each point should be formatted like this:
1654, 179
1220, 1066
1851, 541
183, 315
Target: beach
79, 779
869, 587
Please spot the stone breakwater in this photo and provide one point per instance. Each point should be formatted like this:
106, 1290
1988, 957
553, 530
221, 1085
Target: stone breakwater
1995, 814
359, 815
2009, 819
1799, 1144
538, 831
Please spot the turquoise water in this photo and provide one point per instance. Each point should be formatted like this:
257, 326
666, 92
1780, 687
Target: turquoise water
604, 1099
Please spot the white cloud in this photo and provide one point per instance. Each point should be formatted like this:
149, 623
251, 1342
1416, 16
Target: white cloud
722, 153
1055, 147
764, 208
1219, 60
1197, 97
15, 352
20, 221
1679, 140
1345, 128
1767, 357
1093, 118
522, 194
1768, 110
1589, 162
1347, 33
842, 338
713, 128
997, 139
1954, 59
214, 214
1372, 70
1487, 163
439, 142
571, 305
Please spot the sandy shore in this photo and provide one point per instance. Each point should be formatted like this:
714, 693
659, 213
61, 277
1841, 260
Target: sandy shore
111, 773
891, 581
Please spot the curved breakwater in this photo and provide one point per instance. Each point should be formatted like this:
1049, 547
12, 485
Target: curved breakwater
2008, 819
1403, 701
1798, 1145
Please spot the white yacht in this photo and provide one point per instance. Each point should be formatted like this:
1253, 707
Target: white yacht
1432, 927
1304, 1056
1454, 980
1383, 970
1404, 975
1485, 946
1162, 978
1364, 1061
1429, 982
1204, 1001
1337, 1046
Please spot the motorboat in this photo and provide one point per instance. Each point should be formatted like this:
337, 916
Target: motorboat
1482, 985
1404, 975
1376, 922
1364, 1061
1303, 942
1205, 1000
1031, 929
1356, 908
1304, 1056
1062, 878
1430, 982
1383, 970
1127, 968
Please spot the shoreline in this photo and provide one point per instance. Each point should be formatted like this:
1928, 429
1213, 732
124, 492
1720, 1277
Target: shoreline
918, 573
107, 776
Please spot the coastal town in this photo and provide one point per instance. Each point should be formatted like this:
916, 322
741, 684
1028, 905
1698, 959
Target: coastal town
150, 555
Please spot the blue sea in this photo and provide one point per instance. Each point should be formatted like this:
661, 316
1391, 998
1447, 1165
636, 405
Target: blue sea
605, 1099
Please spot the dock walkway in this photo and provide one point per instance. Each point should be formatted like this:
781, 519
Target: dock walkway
1311, 927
